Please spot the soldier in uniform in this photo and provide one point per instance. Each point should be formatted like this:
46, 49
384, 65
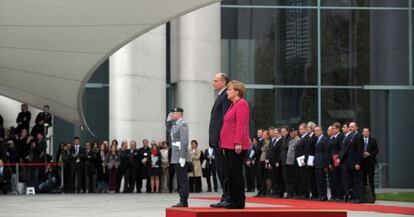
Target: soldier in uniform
179, 154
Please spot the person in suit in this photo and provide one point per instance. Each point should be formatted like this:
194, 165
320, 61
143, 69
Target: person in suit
235, 141
5, 177
321, 163
334, 147
144, 165
273, 157
76, 156
283, 149
303, 182
220, 107
90, 169
310, 151
132, 170
123, 167
370, 159
113, 161
209, 170
23, 118
264, 168
343, 161
356, 152
180, 157
249, 167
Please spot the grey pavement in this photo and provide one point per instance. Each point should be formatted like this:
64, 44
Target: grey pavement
125, 205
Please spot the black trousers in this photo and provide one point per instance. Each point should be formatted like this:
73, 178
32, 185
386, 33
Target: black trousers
249, 172
131, 178
182, 182
320, 178
76, 177
67, 179
234, 163
358, 184
221, 173
171, 173
121, 173
335, 183
346, 176
368, 175
291, 175
195, 184
278, 184
258, 166
212, 175
312, 182
304, 181
88, 180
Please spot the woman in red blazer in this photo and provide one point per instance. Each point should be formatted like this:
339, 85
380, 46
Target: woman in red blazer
235, 141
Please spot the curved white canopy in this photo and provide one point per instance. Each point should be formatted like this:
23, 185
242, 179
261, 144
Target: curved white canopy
50, 48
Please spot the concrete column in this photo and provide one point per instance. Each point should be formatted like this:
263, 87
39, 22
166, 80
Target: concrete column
137, 88
195, 58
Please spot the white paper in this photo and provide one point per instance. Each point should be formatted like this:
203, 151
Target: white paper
301, 160
310, 160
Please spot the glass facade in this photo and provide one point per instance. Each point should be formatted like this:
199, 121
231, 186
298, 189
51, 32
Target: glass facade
326, 61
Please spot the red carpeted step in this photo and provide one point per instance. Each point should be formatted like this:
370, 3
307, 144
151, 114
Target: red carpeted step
252, 211
308, 204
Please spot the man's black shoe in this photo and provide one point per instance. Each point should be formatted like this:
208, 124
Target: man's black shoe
180, 204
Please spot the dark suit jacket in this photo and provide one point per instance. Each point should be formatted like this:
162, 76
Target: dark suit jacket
5, 179
334, 147
321, 153
220, 107
343, 154
354, 151
372, 149
72, 154
273, 152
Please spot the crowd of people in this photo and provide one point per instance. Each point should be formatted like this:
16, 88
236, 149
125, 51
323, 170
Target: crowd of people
299, 163
283, 162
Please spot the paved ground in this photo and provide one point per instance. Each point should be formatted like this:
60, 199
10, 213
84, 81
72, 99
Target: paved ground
125, 205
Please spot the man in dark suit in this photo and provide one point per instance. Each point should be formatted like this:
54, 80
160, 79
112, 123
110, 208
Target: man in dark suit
249, 168
76, 156
133, 164
321, 163
334, 147
220, 108
209, 170
88, 181
343, 161
370, 159
273, 157
310, 151
5, 177
303, 182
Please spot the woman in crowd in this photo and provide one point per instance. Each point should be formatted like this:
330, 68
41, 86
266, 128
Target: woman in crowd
196, 173
165, 164
102, 179
235, 141
112, 164
265, 168
155, 168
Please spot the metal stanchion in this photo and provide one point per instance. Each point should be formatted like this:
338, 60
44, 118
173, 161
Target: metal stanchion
17, 178
62, 180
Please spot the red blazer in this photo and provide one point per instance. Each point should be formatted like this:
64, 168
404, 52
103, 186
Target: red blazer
235, 129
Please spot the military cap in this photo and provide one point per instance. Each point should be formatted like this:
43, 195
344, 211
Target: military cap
177, 109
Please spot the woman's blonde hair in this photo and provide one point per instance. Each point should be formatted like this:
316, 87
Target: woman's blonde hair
239, 86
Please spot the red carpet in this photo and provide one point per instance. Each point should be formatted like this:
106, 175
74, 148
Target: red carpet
307, 204
252, 211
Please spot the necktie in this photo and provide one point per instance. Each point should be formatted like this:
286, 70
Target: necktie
365, 144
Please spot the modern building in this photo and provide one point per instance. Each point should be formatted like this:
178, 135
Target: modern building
302, 60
